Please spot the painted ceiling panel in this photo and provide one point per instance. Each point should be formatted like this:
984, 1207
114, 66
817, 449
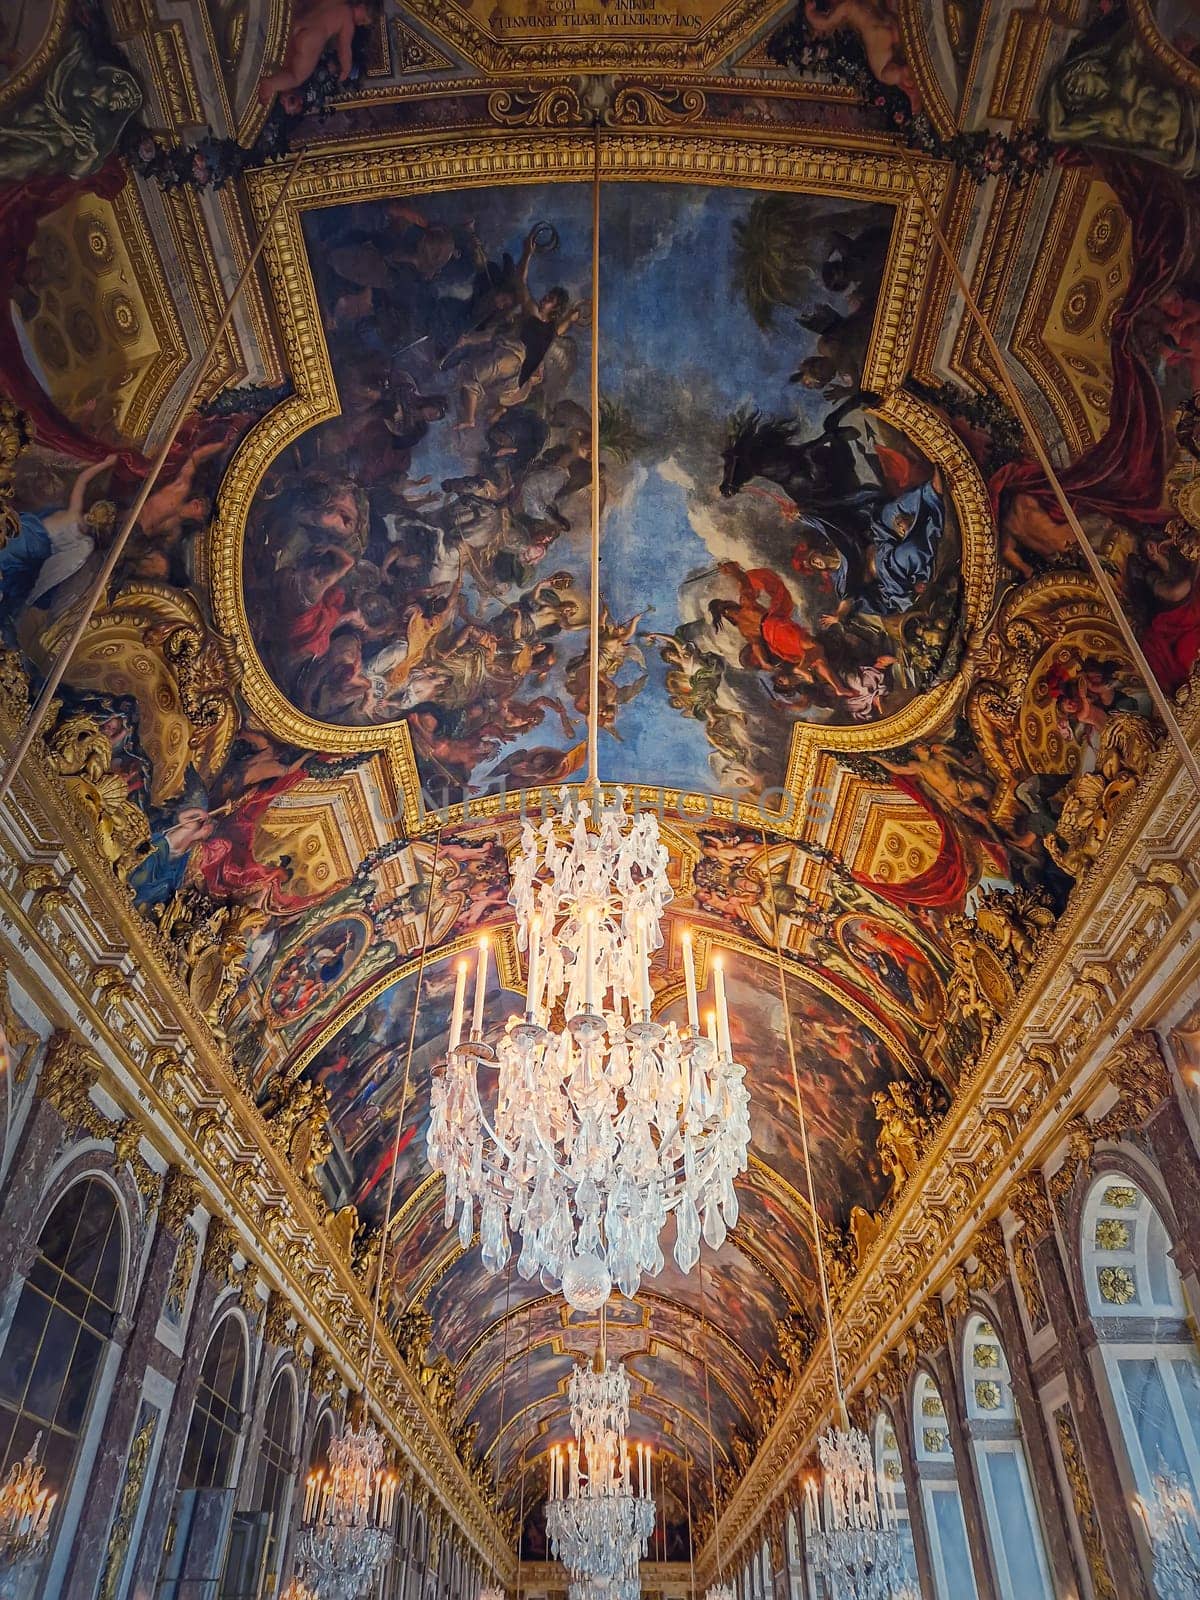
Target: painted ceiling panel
837, 605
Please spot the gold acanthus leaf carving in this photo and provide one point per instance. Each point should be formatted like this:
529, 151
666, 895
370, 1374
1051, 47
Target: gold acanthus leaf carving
19, 1041
78, 752
68, 1073
1139, 1071
1085, 1506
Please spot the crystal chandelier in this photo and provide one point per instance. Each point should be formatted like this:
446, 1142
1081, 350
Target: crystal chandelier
855, 1535
1174, 1530
492, 1591
719, 1591
597, 1525
345, 1528
599, 1121
26, 1508
601, 1125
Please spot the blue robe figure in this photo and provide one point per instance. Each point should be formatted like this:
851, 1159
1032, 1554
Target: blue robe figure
21, 559
905, 533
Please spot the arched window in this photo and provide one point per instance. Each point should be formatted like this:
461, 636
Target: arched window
889, 1471
217, 1411
1148, 1351
768, 1580
276, 1469
818, 1584
416, 1565
954, 1575
398, 1565
59, 1332
795, 1564
1015, 1535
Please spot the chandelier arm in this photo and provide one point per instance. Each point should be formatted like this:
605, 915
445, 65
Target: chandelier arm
412, 1035
818, 1242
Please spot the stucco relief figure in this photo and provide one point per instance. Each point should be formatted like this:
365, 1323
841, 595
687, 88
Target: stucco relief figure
903, 1131
318, 24
73, 123
1111, 93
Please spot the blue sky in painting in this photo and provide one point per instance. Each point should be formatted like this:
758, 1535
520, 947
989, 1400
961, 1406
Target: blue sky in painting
680, 352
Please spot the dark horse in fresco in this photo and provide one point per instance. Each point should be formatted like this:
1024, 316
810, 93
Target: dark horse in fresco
821, 470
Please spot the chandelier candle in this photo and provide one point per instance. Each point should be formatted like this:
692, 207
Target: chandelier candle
596, 1126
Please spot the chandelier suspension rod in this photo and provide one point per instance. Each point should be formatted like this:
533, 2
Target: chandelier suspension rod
1158, 695
524, 1452
404, 1088
593, 730
503, 1384
107, 567
818, 1242
687, 1476
712, 1459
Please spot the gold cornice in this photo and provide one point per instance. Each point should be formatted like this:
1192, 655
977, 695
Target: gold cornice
234, 1182
1173, 62
923, 1236
351, 172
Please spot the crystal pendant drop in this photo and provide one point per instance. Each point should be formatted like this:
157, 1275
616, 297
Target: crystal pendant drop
587, 1123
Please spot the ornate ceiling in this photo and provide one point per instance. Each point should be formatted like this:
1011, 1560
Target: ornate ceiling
849, 652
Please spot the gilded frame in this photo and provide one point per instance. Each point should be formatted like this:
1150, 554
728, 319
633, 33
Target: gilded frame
346, 173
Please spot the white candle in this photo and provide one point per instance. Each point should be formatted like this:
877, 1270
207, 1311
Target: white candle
480, 988
644, 966
589, 963
535, 965
689, 976
649, 1475
460, 995
812, 1505
710, 1025
722, 1008
571, 1470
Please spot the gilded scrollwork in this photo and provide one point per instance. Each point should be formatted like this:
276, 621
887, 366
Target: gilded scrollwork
78, 752
14, 440
1086, 1515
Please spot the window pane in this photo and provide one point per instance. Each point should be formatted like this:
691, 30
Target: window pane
1187, 1370
50, 1368
1152, 1418
952, 1537
1016, 1534
24, 1340
77, 1388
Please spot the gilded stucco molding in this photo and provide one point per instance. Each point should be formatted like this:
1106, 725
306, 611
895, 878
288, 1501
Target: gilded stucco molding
344, 174
152, 1050
1051, 1059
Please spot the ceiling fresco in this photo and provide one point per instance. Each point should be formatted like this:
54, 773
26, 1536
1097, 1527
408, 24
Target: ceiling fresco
775, 551
849, 648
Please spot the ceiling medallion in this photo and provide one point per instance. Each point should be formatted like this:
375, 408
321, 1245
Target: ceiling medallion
346, 1524
601, 1121
597, 1525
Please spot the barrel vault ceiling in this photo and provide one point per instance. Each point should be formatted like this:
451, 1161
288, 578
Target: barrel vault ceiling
848, 649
